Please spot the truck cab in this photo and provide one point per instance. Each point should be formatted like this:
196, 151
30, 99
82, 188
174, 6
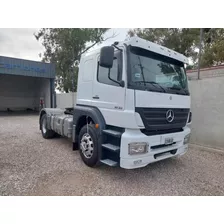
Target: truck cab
132, 106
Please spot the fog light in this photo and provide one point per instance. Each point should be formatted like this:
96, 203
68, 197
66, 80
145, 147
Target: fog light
137, 148
186, 139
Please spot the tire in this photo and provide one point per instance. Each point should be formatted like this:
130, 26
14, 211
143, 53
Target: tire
89, 138
46, 133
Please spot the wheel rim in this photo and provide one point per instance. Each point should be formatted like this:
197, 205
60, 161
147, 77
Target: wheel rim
87, 146
44, 126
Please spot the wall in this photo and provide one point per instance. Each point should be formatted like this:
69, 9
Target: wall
21, 92
215, 71
207, 103
65, 100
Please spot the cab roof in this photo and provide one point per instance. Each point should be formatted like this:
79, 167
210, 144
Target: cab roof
148, 45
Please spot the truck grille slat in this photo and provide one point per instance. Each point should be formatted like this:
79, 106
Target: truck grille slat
155, 119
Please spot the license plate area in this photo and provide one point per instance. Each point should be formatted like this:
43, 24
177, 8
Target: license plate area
168, 141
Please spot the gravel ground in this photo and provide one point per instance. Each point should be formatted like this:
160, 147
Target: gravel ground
31, 165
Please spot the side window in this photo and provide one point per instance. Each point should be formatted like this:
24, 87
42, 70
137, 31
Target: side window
102, 75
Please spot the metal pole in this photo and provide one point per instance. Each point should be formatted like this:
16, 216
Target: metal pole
73, 73
199, 54
73, 98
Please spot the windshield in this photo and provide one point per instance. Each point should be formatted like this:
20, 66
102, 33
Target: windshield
154, 72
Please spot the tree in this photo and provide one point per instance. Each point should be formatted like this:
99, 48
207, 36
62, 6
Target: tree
183, 40
63, 47
213, 47
186, 41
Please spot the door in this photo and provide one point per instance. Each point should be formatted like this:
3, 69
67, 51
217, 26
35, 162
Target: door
108, 94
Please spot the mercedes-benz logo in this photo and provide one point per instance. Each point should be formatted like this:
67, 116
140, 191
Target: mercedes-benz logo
169, 116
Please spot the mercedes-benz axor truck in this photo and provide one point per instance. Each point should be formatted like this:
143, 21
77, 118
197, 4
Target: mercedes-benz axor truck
132, 106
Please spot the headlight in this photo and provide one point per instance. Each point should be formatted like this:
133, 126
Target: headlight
186, 139
137, 148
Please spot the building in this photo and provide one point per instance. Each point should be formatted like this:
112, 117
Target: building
24, 83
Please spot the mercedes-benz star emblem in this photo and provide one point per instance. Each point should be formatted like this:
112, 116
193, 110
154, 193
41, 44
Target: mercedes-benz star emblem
169, 116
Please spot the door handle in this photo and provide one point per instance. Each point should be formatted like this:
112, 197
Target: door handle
96, 97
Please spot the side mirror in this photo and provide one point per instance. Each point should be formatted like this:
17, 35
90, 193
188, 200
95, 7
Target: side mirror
122, 83
106, 57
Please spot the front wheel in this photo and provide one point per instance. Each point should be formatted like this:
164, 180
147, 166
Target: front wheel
88, 146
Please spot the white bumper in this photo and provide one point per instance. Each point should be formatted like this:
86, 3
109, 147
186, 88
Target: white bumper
153, 155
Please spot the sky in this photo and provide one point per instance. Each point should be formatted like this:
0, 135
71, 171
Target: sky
21, 43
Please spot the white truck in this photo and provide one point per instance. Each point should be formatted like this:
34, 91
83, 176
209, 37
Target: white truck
132, 106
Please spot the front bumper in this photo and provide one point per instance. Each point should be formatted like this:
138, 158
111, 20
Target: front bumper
155, 153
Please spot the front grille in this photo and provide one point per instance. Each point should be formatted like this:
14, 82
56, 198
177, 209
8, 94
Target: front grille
154, 119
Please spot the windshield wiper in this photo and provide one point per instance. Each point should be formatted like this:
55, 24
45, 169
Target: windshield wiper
178, 88
174, 88
157, 85
153, 83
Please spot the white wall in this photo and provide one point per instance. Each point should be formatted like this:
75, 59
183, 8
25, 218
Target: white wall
207, 103
65, 100
21, 92
206, 72
207, 97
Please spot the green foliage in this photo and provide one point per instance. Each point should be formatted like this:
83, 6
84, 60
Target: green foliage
63, 47
189, 67
186, 41
181, 40
213, 49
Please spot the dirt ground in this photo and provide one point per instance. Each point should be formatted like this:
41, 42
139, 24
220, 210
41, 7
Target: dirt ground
31, 165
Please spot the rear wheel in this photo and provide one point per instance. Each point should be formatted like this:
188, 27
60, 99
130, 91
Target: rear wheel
88, 146
46, 133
